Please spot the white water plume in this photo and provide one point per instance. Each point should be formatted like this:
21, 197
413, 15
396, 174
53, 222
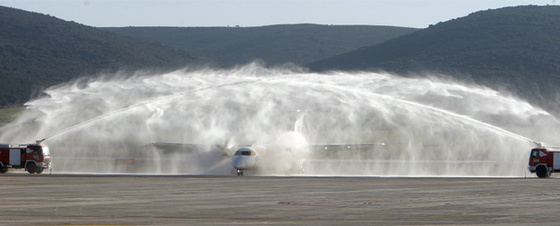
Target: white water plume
429, 127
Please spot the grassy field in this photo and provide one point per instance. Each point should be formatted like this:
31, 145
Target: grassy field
8, 114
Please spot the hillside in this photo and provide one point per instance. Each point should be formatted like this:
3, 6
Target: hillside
38, 51
276, 44
514, 48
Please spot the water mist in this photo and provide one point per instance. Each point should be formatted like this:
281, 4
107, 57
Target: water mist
429, 127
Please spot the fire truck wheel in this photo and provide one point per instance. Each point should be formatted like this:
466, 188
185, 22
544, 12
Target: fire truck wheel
542, 172
31, 167
39, 171
4, 169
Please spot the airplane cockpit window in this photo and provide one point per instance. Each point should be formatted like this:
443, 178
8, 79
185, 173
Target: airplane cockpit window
245, 152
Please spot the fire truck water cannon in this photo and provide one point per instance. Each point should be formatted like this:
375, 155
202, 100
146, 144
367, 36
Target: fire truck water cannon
34, 157
539, 144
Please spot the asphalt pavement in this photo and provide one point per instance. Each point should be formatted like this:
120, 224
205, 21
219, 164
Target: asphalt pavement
193, 200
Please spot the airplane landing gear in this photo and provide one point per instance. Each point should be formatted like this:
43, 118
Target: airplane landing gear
239, 172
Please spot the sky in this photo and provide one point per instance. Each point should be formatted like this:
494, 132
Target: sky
249, 13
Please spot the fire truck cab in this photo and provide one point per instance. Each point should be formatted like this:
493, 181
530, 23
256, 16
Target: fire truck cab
544, 162
34, 158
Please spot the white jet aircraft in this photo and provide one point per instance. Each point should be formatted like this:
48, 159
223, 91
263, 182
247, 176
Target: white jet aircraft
287, 154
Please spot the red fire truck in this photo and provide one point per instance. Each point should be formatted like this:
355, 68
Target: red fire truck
34, 158
544, 161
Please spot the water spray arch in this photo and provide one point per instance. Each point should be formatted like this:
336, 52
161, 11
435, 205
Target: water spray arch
430, 127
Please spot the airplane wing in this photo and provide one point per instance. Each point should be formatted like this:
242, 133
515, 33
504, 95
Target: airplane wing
177, 147
344, 146
227, 149
328, 151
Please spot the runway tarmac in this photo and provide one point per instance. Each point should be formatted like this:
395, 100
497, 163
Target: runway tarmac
181, 200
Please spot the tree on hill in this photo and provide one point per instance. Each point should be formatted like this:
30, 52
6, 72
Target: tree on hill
275, 44
514, 48
38, 51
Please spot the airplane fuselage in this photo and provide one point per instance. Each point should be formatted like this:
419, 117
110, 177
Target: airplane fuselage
245, 158
285, 155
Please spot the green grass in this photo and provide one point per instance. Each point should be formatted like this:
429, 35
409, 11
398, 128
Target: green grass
8, 114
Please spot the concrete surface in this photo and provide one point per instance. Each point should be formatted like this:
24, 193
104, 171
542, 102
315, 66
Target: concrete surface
193, 200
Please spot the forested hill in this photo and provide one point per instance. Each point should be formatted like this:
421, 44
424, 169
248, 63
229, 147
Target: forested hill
275, 44
38, 51
517, 48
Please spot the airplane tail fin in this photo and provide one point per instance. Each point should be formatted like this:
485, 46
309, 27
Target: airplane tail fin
302, 125
298, 125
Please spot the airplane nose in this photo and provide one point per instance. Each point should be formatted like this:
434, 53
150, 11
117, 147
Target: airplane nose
243, 163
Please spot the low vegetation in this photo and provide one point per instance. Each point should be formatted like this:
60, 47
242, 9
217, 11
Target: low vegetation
276, 44
513, 48
8, 114
38, 51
